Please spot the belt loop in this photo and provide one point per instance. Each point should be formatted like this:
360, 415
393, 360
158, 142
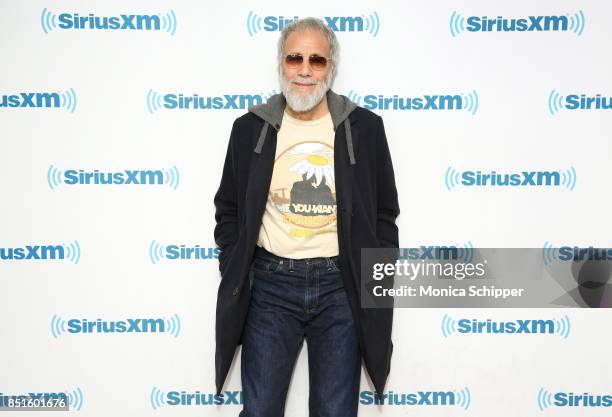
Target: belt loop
290, 264
329, 264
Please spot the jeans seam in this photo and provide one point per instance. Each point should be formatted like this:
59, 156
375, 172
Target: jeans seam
306, 292
317, 288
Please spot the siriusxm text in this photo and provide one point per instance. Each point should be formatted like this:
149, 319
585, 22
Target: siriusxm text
29, 252
144, 325
524, 24
416, 398
120, 22
567, 253
26, 99
335, 23
125, 177
569, 399
516, 326
425, 102
524, 178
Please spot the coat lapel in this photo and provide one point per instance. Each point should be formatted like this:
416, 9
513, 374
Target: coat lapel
260, 178
343, 172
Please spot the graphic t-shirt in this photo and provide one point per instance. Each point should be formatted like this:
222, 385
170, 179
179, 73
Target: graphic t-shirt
300, 216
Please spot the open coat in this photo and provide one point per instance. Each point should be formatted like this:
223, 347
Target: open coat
367, 207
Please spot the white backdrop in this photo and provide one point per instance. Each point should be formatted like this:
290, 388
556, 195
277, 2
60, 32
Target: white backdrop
101, 99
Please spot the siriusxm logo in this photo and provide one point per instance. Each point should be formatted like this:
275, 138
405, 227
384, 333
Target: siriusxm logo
557, 178
467, 102
369, 24
60, 326
164, 22
547, 399
50, 99
64, 252
560, 327
158, 398
463, 253
460, 398
169, 177
74, 398
574, 253
157, 252
555, 23
173, 101
558, 102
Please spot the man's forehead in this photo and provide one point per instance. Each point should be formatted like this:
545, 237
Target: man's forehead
307, 39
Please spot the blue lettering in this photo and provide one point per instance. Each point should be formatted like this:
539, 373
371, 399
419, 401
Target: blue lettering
173, 398
173, 252
270, 24
65, 21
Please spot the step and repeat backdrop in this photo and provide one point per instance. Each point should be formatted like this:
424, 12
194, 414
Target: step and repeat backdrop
114, 122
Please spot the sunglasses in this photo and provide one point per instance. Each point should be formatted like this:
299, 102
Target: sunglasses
317, 62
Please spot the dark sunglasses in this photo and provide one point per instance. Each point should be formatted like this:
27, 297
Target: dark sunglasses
317, 62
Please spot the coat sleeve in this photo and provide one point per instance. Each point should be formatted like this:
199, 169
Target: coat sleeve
388, 206
226, 204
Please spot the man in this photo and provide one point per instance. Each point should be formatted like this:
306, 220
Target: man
307, 182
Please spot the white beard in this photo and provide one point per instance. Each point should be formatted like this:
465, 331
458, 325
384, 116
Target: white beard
301, 102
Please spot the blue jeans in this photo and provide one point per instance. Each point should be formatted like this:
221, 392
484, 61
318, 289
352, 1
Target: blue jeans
293, 299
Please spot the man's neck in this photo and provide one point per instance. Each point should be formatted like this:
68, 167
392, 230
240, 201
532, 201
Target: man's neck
316, 112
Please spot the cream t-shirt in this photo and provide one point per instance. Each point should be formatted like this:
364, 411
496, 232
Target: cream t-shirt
300, 216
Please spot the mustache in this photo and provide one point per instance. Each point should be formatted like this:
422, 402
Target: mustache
303, 81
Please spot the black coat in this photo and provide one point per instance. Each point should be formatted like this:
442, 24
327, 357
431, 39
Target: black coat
367, 206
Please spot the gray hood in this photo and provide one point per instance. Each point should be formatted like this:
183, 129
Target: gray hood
272, 113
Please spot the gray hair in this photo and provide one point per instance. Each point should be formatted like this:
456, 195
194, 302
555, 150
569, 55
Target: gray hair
314, 24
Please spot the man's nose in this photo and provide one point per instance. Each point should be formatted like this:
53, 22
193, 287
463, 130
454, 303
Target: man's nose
305, 69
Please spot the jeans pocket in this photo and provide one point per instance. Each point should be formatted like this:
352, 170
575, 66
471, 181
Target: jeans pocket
261, 265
